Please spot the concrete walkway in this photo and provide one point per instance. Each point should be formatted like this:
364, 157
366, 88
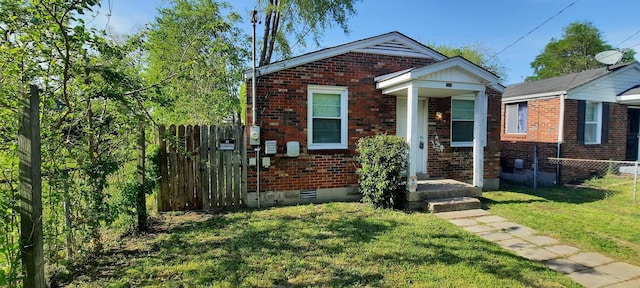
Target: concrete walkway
589, 269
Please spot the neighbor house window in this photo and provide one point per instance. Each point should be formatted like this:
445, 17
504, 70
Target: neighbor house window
592, 122
516, 117
462, 113
327, 108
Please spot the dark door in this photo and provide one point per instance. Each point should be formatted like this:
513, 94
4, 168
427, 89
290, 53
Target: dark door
632, 134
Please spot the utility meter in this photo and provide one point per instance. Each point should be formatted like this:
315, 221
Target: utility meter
254, 135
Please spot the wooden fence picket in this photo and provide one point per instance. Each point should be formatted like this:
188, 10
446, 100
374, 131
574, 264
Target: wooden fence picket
213, 167
164, 193
174, 178
237, 169
204, 170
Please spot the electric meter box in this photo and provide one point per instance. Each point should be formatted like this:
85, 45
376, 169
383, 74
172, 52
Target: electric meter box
254, 135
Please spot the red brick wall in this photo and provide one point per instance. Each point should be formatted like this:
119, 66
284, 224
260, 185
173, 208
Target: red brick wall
542, 123
542, 131
457, 162
543, 116
492, 150
282, 115
615, 149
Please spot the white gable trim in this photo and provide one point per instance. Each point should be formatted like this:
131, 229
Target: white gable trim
400, 48
484, 77
579, 92
460, 62
393, 43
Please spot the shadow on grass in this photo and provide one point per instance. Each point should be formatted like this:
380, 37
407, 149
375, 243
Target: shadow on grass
287, 249
456, 251
565, 194
228, 248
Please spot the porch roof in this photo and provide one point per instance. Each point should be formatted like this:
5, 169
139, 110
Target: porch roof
630, 96
450, 77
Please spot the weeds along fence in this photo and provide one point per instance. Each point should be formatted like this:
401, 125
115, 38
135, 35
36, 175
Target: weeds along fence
10, 265
577, 170
202, 167
60, 191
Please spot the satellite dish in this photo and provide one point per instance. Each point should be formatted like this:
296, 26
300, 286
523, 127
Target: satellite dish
609, 57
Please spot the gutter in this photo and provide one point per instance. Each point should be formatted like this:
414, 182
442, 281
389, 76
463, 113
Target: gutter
533, 96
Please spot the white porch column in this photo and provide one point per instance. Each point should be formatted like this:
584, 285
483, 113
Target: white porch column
479, 137
412, 136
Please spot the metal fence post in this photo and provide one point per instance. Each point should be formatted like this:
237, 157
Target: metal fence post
535, 167
635, 182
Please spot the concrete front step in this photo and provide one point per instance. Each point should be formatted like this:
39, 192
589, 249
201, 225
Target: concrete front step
452, 204
442, 188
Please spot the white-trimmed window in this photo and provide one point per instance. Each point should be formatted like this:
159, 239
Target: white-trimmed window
516, 118
462, 116
592, 122
327, 114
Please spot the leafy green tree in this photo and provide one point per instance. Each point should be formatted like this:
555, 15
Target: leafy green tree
90, 100
295, 20
88, 119
196, 55
574, 52
476, 53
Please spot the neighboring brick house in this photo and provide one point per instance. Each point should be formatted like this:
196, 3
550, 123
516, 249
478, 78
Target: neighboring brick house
312, 110
592, 114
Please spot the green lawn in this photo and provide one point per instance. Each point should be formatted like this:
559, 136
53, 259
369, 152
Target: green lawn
336, 244
600, 217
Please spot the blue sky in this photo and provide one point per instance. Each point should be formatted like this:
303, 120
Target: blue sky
493, 24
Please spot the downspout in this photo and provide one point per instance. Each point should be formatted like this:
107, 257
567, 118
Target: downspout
563, 96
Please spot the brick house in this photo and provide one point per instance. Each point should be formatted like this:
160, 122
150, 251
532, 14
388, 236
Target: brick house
312, 109
591, 114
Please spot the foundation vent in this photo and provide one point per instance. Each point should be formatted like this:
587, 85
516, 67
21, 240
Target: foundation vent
308, 194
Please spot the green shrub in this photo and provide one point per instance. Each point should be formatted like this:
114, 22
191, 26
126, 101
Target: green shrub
382, 159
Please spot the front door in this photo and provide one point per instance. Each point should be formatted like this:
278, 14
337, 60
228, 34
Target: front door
401, 130
632, 135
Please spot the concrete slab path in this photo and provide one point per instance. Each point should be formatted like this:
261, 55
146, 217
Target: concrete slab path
591, 270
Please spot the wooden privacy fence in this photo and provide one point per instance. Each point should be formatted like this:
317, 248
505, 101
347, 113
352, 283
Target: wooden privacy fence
202, 167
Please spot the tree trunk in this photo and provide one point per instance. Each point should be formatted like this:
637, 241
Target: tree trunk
265, 35
274, 32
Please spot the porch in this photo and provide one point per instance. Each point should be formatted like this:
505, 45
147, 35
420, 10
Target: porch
461, 122
441, 195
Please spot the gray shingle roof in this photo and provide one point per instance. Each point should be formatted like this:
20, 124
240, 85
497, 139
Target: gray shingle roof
560, 83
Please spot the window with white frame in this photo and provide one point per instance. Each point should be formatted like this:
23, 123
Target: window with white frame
462, 115
516, 118
592, 122
327, 114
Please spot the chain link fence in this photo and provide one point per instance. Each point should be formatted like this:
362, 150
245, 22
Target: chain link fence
578, 170
534, 165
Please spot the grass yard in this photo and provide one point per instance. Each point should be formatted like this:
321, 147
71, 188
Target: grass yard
600, 217
336, 244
